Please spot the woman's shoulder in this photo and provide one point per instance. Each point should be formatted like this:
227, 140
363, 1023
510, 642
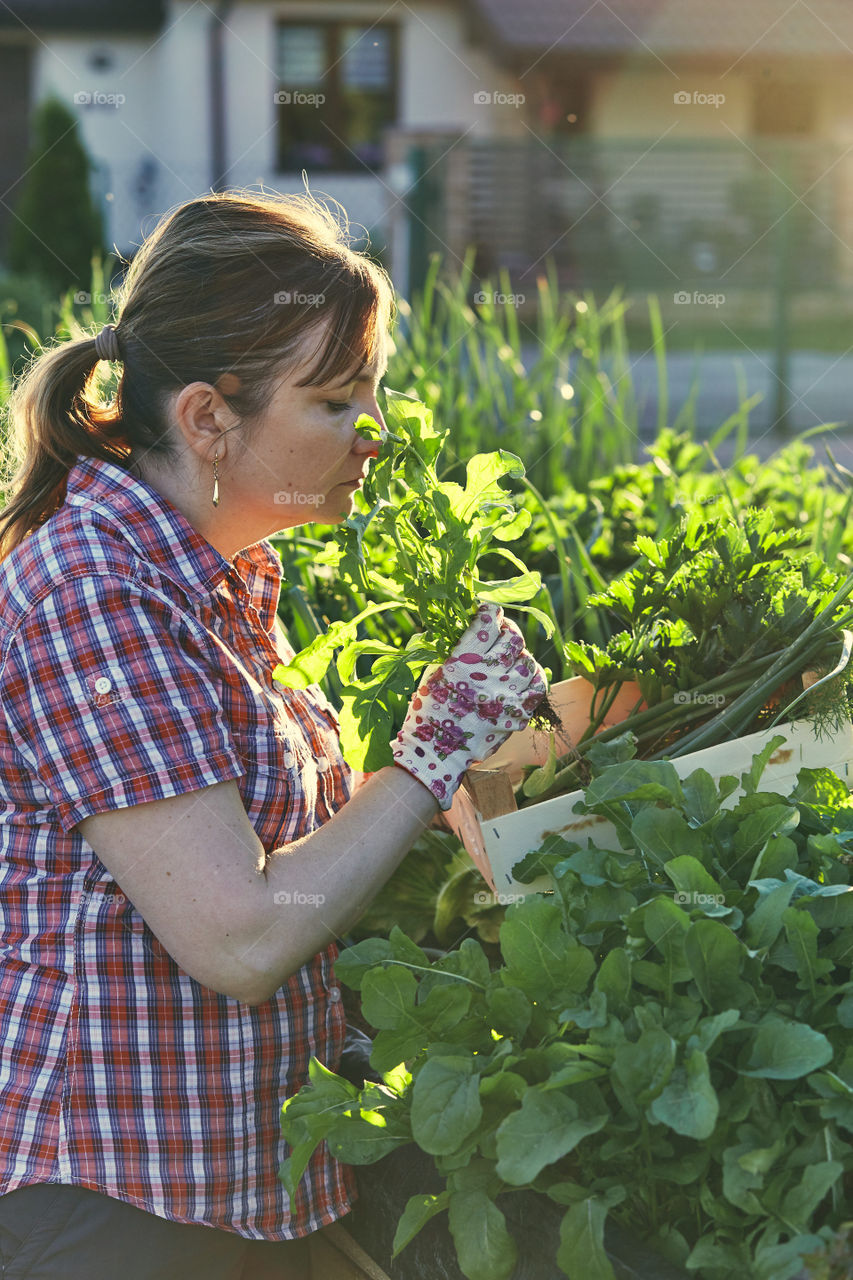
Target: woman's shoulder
72, 545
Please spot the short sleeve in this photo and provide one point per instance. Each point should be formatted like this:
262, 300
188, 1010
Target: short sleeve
111, 696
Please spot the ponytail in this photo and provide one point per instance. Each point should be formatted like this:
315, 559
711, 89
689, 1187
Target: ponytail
54, 416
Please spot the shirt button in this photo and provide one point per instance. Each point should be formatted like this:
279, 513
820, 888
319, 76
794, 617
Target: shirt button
103, 685
334, 994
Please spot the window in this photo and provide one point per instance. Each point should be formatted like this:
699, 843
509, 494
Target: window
337, 92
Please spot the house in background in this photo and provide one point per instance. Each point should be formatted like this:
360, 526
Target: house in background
656, 140
175, 97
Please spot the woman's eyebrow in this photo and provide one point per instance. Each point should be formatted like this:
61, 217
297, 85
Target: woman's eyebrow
362, 377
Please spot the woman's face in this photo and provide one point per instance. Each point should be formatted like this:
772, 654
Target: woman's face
305, 459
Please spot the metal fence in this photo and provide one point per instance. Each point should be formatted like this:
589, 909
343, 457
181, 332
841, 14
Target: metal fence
660, 216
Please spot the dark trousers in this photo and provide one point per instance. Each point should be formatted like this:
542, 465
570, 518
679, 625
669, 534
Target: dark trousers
52, 1231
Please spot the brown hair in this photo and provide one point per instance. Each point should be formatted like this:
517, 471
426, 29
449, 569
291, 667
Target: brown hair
228, 282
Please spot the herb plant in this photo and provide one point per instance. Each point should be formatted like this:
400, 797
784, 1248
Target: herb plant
668, 1040
720, 620
439, 531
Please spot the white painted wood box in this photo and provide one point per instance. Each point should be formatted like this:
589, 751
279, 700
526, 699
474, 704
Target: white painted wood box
497, 834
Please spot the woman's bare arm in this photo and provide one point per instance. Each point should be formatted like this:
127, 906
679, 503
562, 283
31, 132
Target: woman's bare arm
239, 920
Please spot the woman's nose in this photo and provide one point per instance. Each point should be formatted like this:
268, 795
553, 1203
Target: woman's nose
371, 447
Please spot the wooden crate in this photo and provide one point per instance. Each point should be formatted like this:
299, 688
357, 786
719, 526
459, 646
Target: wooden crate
497, 834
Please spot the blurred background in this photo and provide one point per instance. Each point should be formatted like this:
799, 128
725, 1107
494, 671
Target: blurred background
700, 151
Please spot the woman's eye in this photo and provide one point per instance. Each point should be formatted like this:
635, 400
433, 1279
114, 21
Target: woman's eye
338, 406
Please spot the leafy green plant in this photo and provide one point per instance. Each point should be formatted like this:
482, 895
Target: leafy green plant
668, 1039
57, 226
439, 531
720, 619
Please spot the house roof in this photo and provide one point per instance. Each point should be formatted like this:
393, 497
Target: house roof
103, 16
730, 27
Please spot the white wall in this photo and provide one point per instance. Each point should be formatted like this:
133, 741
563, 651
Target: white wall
153, 145
122, 129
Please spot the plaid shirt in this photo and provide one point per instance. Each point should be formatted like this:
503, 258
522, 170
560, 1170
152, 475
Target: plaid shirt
135, 664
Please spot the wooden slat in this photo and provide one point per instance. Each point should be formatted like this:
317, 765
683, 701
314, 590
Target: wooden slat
491, 791
336, 1256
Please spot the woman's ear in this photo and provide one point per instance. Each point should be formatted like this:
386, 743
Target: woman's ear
202, 417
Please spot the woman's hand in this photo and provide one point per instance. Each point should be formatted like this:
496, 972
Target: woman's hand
464, 709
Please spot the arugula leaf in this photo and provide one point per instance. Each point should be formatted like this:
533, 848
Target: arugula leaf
438, 532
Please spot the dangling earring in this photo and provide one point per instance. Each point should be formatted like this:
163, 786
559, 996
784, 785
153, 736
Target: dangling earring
215, 482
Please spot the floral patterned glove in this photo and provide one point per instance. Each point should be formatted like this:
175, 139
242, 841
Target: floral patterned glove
464, 709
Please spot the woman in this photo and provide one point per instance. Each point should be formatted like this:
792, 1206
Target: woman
180, 844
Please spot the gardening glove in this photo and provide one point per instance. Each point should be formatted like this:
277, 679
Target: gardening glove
487, 688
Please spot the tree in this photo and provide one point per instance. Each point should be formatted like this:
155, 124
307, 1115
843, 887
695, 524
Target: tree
56, 227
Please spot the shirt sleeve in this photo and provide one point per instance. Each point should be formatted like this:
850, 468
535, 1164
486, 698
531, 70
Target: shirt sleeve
111, 697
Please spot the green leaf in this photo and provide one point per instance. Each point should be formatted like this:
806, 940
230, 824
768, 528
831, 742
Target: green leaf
627, 781
739, 1182
388, 997
581, 1253
664, 834
752, 777
357, 1141
484, 1247
665, 924
689, 1103
369, 713
758, 827
307, 1116
509, 1011
644, 1067
800, 1203
509, 590
544, 1129
354, 962
418, 1212
310, 664
483, 472
715, 957
701, 799
541, 779
782, 1050
445, 1104
691, 879
539, 956
802, 932
764, 925
614, 979
708, 1029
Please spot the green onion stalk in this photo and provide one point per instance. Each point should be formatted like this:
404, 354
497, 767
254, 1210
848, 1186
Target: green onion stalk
746, 688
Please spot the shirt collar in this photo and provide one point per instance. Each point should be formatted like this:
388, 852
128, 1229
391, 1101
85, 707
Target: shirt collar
159, 532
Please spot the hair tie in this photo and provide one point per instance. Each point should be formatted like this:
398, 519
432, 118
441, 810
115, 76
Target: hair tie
106, 343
